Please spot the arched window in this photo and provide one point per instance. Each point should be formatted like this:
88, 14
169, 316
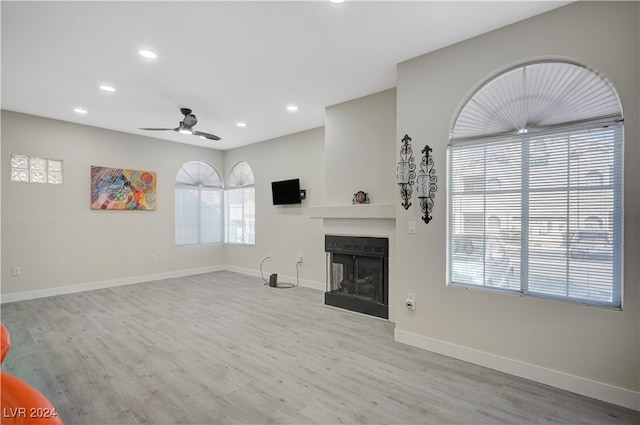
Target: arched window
199, 197
241, 205
538, 129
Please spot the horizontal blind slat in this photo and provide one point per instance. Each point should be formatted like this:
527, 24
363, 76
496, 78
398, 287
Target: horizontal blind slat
573, 218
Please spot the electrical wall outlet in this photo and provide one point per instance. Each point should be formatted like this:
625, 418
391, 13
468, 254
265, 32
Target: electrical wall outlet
16, 271
410, 302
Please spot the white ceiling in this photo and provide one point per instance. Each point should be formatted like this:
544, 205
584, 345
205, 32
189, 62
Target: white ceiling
228, 61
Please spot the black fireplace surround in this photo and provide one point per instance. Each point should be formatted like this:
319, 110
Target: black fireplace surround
358, 274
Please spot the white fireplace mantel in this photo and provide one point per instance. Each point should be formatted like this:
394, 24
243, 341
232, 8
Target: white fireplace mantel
355, 211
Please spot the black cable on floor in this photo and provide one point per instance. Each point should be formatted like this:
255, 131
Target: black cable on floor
265, 259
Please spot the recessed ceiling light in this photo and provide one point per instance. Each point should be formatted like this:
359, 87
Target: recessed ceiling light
107, 88
241, 124
147, 54
80, 111
292, 108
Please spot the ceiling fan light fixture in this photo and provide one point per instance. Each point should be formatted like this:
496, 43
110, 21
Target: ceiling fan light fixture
147, 54
185, 131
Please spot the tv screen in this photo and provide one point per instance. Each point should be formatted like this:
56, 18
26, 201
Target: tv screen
286, 192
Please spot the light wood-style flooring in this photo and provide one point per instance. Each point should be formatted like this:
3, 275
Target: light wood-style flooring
222, 348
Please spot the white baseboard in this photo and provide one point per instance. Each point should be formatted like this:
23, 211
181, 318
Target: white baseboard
70, 289
321, 286
598, 390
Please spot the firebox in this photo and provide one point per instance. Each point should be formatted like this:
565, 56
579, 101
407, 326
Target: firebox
358, 274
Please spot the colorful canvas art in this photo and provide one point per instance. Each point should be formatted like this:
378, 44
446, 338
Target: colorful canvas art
121, 189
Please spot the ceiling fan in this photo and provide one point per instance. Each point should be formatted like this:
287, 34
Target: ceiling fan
186, 126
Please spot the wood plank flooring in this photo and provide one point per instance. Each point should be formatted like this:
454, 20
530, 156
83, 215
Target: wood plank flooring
222, 348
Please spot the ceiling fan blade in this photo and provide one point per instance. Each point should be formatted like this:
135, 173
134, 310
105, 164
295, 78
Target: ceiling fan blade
206, 135
186, 126
159, 129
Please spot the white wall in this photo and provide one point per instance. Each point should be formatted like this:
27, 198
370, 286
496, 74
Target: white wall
58, 241
360, 147
284, 231
594, 351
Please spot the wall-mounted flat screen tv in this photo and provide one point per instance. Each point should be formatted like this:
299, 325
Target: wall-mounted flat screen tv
286, 192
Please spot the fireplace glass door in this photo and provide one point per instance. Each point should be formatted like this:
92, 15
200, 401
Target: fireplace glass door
357, 274
357, 277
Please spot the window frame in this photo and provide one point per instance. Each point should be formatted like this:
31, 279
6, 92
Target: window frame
242, 182
201, 178
247, 226
523, 104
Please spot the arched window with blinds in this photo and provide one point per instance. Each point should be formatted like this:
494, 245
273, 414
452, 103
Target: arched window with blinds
535, 186
241, 205
199, 204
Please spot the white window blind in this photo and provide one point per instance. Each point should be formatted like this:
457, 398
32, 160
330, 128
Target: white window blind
199, 205
240, 205
241, 215
539, 214
537, 95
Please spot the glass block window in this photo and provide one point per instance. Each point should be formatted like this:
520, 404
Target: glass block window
33, 169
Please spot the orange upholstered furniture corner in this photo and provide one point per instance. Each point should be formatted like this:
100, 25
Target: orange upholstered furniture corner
20, 402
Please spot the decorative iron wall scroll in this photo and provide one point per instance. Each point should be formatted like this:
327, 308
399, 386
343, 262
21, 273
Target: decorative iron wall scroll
406, 171
426, 182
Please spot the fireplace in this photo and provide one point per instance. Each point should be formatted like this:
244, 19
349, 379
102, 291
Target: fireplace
358, 274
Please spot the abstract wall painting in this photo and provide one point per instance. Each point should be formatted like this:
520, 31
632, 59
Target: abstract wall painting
122, 189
